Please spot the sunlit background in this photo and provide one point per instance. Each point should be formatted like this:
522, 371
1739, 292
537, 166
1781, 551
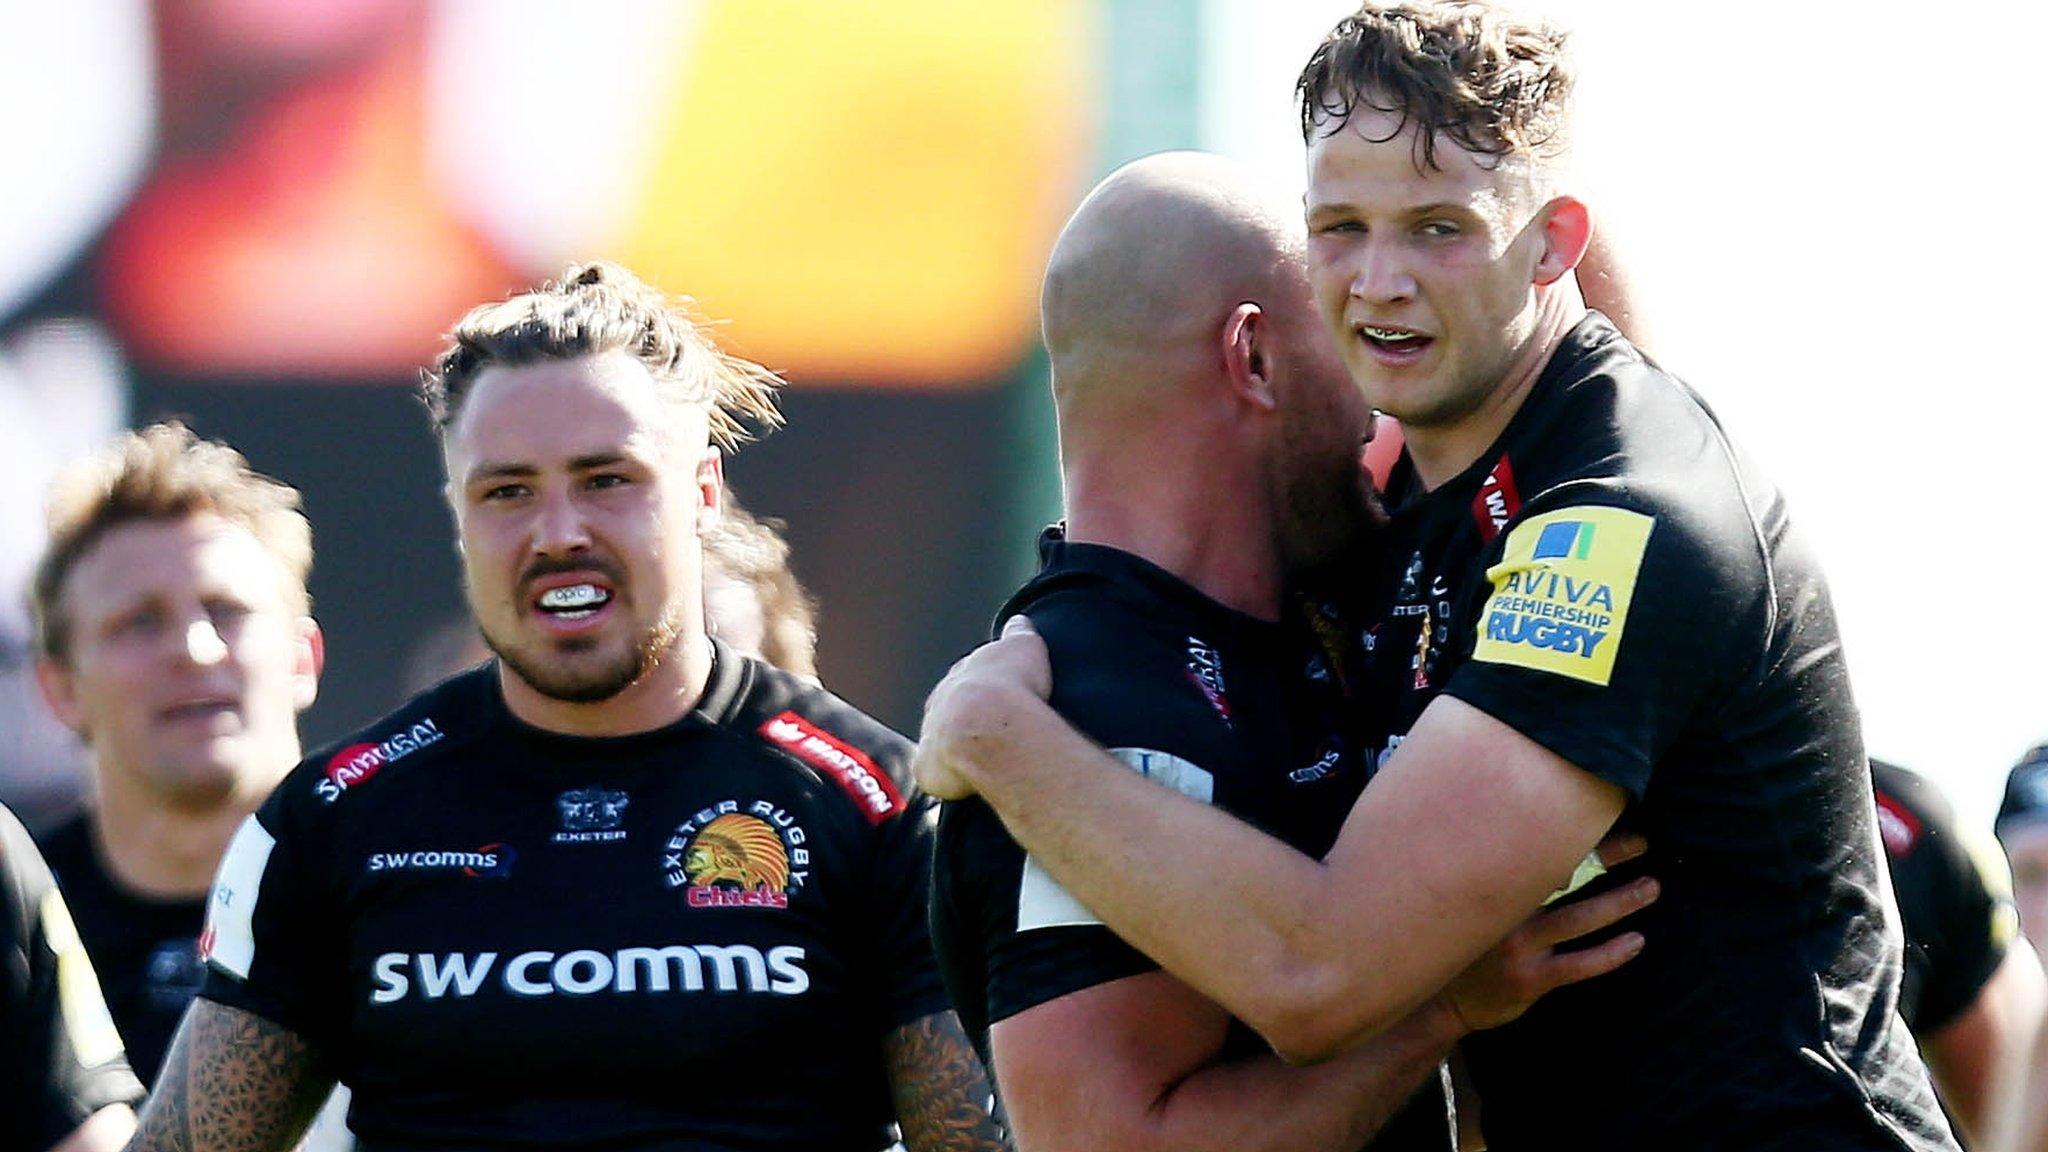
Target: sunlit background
260, 215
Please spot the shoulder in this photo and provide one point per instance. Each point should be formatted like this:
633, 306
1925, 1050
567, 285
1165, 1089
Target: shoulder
799, 722
24, 878
438, 722
1909, 809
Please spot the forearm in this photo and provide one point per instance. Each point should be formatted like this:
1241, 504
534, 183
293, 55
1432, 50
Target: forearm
1233, 917
231, 1080
942, 1093
1264, 1105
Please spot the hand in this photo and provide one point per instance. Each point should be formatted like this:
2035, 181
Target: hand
1519, 970
966, 707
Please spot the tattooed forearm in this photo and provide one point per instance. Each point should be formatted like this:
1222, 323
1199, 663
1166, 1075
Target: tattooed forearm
232, 1082
943, 1094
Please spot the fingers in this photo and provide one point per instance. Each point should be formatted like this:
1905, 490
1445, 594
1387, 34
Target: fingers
1564, 922
1561, 968
1621, 847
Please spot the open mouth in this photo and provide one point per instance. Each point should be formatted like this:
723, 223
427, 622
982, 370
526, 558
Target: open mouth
205, 710
1393, 343
578, 601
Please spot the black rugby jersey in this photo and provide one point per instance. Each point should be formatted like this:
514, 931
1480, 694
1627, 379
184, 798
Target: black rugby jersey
1616, 582
1220, 706
1955, 899
145, 950
60, 1058
691, 938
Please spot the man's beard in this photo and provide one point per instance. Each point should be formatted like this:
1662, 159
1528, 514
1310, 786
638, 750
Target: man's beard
545, 676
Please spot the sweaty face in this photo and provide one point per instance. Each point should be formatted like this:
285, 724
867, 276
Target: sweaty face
578, 498
189, 661
1424, 279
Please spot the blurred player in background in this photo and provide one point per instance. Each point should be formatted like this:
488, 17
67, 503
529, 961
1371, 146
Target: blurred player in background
1972, 991
752, 599
2022, 828
618, 887
175, 638
64, 1085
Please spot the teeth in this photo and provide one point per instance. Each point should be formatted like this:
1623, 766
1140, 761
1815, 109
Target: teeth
573, 597
1388, 335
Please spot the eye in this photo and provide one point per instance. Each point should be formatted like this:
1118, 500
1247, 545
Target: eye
1340, 226
225, 611
607, 480
1438, 229
141, 622
503, 492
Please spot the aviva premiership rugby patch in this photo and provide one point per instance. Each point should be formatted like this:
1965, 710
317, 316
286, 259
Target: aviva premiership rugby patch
1561, 592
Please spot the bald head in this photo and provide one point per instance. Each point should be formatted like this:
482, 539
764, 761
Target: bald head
1151, 265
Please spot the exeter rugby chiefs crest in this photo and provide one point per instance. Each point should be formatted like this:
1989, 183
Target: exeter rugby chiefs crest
729, 857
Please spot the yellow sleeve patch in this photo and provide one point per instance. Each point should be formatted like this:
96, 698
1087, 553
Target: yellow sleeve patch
1561, 592
86, 1021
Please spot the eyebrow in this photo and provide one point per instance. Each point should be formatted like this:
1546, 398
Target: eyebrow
501, 470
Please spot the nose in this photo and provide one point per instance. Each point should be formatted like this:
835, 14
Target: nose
1382, 275
203, 644
559, 527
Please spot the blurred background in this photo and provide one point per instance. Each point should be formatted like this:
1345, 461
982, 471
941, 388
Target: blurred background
260, 216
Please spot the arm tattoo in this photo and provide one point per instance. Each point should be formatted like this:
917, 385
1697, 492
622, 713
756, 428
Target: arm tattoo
944, 1098
232, 1082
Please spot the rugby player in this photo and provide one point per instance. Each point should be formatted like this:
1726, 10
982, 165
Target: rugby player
1593, 613
1972, 991
619, 887
64, 1084
174, 636
1176, 310
752, 600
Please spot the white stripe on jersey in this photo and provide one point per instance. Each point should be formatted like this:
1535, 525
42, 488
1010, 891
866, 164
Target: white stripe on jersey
229, 942
1043, 903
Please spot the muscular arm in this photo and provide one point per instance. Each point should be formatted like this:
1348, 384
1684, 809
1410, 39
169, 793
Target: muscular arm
1132, 1066
1979, 1059
942, 1092
104, 1131
231, 1081
1315, 955
1136, 1064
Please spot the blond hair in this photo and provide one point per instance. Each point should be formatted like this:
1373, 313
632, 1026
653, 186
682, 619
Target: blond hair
598, 308
162, 473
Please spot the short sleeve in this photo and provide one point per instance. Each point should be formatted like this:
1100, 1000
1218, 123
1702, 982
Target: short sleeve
1955, 901
902, 880
1014, 937
60, 1056
1599, 628
273, 943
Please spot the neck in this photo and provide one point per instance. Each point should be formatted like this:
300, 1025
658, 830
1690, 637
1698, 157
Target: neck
660, 698
163, 850
1204, 521
1441, 451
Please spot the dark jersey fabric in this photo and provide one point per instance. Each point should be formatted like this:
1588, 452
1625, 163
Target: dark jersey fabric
1229, 709
60, 1059
1957, 914
693, 938
146, 951
1615, 581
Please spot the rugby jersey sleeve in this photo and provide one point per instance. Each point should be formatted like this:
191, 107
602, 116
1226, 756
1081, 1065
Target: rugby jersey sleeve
1600, 628
273, 941
1015, 937
60, 1057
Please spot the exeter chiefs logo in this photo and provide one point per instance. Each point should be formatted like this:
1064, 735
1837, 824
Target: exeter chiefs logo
726, 858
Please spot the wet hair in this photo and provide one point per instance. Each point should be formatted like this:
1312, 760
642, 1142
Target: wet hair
163, 473
599, 308
753, 553
1497, 84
